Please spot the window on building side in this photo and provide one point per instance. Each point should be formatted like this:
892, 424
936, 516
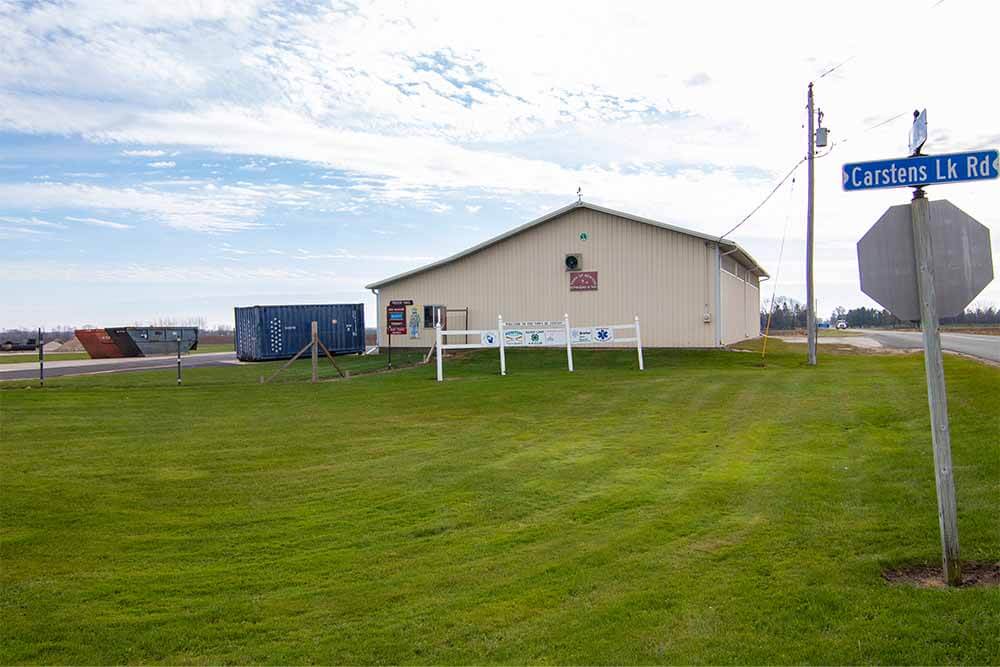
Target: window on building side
432, 314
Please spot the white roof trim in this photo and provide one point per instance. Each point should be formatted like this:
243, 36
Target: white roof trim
731, 245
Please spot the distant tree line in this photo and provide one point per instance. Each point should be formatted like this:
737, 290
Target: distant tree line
977, 315
790, 314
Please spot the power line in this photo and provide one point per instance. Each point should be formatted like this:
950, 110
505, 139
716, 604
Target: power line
771, 194
886, 122
799, 163
777, 273
834, 68
867, 129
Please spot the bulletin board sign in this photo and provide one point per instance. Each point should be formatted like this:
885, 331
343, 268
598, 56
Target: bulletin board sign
395, 318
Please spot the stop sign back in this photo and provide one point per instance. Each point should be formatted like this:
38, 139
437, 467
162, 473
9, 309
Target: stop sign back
963, 264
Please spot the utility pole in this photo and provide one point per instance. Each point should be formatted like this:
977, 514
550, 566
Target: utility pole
810, 295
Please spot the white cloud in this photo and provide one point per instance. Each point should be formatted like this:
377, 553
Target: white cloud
228, 209
163, 164
186, 274
143, 153
341, 254
422, 105
97, 222
30, 222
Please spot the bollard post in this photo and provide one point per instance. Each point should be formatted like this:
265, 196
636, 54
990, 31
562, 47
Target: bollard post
569, 344
503, 355
638, 343
437, 344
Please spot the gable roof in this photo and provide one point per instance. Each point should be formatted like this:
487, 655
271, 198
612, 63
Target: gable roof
728, 247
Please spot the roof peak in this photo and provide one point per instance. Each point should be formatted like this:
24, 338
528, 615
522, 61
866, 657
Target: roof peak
555, 214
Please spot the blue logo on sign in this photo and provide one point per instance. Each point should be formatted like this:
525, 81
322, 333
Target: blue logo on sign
603, 334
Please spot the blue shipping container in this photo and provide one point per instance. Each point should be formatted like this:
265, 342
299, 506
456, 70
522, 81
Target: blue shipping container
265, 333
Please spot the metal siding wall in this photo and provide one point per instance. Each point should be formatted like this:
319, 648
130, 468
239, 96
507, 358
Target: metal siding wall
753, 311
663, 276
741, 309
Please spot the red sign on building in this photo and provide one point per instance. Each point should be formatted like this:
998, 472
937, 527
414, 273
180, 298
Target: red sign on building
582, 281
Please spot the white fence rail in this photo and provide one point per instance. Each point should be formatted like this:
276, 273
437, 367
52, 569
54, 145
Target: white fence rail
546, 333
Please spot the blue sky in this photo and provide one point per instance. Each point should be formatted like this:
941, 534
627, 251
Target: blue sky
173, 160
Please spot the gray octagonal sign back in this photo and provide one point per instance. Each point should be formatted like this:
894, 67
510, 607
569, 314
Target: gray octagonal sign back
963, 264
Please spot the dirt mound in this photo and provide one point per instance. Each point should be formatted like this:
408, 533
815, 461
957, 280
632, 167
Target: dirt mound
72, 345
974, 573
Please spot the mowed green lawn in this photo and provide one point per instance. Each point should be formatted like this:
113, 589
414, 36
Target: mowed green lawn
206, 348
708, 510
50, 356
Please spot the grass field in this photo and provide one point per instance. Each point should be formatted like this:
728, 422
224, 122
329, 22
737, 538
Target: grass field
204, 348
33, 356
708, 510
73, 356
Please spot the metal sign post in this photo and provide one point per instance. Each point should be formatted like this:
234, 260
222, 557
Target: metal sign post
178, 360
314, 329
41, 359
926, 261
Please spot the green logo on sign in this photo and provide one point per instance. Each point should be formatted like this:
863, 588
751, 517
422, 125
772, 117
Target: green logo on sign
583, 236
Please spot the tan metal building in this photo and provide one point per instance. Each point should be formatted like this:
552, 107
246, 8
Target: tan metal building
689, 289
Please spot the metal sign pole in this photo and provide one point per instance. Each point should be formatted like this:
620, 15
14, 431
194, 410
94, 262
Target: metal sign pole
178, 360
314, 328
936, 395
41, 359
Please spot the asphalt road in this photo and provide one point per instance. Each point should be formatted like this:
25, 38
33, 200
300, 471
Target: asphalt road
54, 368
976, 345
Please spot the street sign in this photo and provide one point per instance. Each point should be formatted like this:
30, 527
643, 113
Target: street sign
963, 264
928, 260
918, 132
910, 172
